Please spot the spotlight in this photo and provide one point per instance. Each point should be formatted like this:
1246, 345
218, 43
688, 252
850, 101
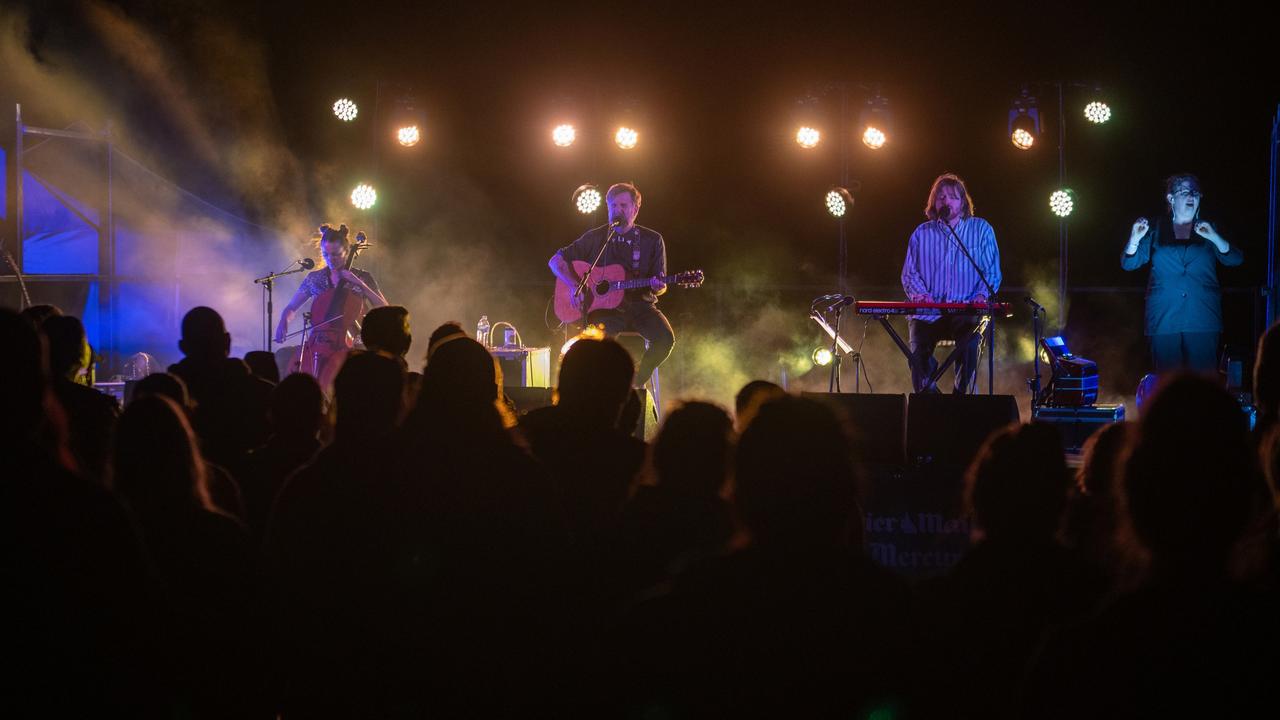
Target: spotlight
1097, 112
345, 110
875, 122
590, 332
364, 196
409, 135
807, 137
1024, 121
626, 138
822, 357
564, 135
839, 200
1062, 202
587, 198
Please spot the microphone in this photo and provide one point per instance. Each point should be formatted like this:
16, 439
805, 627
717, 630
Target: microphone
307, 263
617, 223
1034, 305
838, 302
944, 213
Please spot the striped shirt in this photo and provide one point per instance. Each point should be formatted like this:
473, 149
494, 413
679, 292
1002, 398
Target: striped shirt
936, 269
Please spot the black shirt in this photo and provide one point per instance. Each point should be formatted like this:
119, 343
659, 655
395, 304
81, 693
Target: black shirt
640, 250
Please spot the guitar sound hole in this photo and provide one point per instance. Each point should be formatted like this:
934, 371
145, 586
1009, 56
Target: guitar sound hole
602, 287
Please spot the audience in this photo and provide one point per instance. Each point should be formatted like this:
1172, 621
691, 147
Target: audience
230, 403
90, 414
212, 638
985, 619
683, 515
1190, 640
425, 555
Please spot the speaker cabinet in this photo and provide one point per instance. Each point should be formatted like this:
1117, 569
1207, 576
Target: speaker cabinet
950, 429
879, 422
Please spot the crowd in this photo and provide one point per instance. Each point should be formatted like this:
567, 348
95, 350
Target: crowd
233, 545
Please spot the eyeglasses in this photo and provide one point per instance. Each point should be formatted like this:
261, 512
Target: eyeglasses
1188, 192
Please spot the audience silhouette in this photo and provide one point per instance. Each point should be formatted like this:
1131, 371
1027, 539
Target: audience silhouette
413, 550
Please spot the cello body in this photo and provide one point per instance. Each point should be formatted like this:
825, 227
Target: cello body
334, 319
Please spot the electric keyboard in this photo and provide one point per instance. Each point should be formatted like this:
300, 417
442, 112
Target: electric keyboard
894, 307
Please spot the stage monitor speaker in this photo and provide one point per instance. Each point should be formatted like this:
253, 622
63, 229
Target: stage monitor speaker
879, 422
950, 429
527, 398
525, 367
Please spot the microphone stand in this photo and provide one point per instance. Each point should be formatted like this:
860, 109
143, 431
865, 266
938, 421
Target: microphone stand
1037, 333
991, 297
839, 347
268, 287
582, 283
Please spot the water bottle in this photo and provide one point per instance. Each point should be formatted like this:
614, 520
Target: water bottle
482, 331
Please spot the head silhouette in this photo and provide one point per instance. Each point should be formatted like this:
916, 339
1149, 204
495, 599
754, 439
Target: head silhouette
693, 447
204, 335
368, 396
749, 399
386, 329
24, 378
297, 406
595, 377
156, 464
68, 347
263, 364
794, 475
461, 382
166, 385
1017, 485
1190, 474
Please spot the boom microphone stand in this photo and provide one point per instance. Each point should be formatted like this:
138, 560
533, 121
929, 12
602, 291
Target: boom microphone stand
268, 286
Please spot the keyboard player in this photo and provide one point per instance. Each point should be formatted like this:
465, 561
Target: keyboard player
937, 270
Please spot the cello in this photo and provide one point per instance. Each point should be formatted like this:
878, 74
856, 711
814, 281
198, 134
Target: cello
333, 321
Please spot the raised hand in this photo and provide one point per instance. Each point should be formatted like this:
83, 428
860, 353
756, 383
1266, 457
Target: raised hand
1140, 228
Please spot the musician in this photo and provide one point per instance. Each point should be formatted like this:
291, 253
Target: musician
334, 245
936, 270
644, 254
1184, 305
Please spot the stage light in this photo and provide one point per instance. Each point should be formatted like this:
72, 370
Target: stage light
587, 198
875, 121
409, 135
839, 200
1097, 112
364, 196
1022, 139
873, 138
564, 135
345, 110
1024, 121
626, 138
822, 357
1062, 202
590, 332
807, 137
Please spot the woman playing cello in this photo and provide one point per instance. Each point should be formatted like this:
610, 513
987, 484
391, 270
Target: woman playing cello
338, 293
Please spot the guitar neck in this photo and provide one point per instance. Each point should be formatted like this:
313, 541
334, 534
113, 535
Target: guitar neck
639, 283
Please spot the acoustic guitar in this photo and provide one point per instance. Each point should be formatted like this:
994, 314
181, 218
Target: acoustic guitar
607, 286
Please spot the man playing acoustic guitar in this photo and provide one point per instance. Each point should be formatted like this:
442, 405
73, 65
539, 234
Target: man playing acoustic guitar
642, 254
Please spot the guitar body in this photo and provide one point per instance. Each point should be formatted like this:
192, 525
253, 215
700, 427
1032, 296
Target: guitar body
600, 297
